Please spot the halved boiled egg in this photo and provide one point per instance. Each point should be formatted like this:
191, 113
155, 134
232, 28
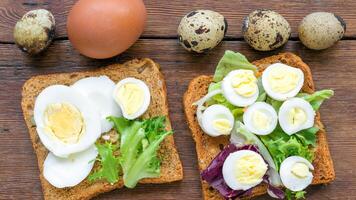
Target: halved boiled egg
98, 91
68, 172
296, 173
281, 81
133, 97
217, 120
244, 169
260, 118
65, 121
240, 88
296, 114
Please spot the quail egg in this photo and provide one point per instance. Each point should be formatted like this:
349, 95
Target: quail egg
265, 30
35, 31
260, 118
296, 114
244, 169
296, 173
321, 30
201, 30
281, 81
217, 120
133, 97
240, 88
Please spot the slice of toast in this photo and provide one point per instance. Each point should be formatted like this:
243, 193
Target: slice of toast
144, 69
208, 147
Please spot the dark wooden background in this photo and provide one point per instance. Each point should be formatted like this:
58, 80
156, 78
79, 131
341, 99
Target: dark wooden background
332, 68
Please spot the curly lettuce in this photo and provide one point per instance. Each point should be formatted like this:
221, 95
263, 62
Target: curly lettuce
317, 98
138, 159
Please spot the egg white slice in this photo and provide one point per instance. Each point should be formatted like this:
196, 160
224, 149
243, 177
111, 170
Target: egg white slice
229, 170
287, 106
282, 96
233, 97
98, 91
212, 114
146, 97
269, 114
69, 172
291, 181
64, 94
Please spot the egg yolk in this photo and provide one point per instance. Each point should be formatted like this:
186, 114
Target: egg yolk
250, 169
282, 79
131, 97
64, 121
300, 170
244, 83
260, 120
297, 116
223, 126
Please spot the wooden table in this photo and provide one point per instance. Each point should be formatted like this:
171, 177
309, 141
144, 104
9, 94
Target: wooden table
332, 68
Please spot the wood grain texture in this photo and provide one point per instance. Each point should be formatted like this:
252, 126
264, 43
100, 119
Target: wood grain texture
172, 11
333, 68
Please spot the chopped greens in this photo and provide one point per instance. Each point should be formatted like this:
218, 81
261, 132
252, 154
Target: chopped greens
295, 195
110, 166
138, 147
281, 146
139, 141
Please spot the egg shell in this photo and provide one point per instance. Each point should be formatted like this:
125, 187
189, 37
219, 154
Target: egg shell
321, 30
201, 30
265, 30
103, 29
35, 31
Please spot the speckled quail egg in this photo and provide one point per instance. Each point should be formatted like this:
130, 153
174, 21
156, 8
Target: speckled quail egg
265, 30
296, 173
35, 31
321, 30
201, 30
296, 114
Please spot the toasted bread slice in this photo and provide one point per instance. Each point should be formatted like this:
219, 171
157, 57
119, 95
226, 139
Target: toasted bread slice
208, 147
144, 69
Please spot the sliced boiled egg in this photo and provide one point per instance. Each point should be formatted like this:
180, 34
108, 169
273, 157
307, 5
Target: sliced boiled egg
260, 118
296, 114
240, 88
68, 172
296, 173
244, 169
98, 91
65, 121
281, 81
133, 97
217, 120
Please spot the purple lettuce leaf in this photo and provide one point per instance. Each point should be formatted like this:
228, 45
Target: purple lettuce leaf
273, 191
213, 173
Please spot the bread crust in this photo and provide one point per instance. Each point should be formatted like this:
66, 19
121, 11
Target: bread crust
144, 69
208, 147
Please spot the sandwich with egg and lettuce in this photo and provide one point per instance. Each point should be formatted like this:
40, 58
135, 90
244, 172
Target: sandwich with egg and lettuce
99, 130
257, 128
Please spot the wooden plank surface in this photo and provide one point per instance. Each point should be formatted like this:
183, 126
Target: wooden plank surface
172, 11
333, 68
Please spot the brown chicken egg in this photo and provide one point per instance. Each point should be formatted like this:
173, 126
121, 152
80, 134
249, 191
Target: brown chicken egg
103, 29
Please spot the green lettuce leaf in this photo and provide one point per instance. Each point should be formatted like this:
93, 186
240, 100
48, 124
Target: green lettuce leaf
109, 163
231, 61
317, 98
262, 93
281, 146
139, 141
295, 195
274, 103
